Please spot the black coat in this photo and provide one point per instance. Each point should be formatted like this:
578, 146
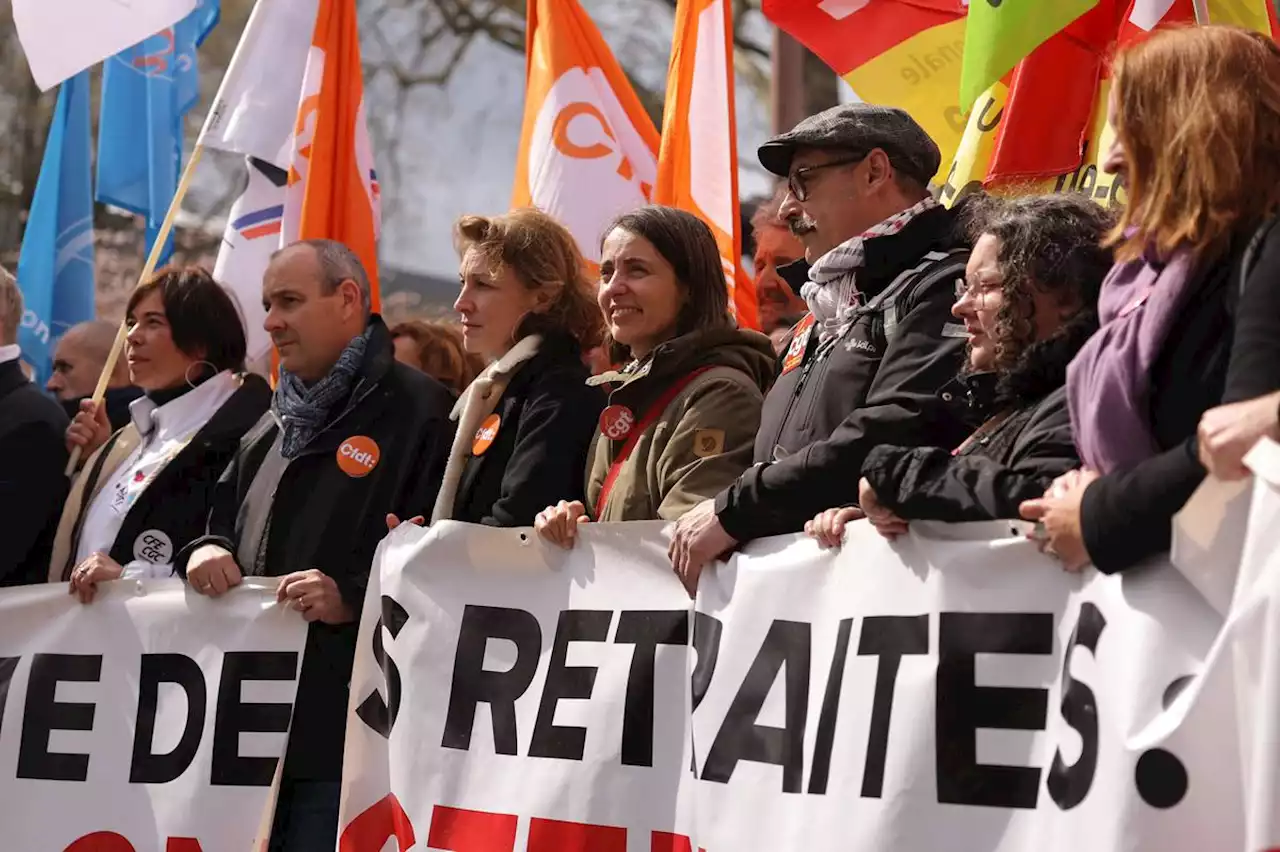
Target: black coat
117, 401
825, 413
325, 519
33, 484
1127, 515
1012, 461
175, 505
548, 422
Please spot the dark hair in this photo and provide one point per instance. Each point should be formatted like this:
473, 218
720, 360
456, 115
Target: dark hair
440, 352
685, 242
202, 317
1049, 243
544, 256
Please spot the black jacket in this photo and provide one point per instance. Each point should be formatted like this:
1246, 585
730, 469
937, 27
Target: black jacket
325, 519
548, 422
176, 502
1005, 464
1126, 516
33, 484
864, 389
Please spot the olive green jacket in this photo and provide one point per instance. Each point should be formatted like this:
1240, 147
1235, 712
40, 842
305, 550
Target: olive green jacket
704, 437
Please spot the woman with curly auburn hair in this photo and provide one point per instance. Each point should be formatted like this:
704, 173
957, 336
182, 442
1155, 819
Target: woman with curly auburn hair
1028, 307
526, 423
435, 347
1186, 322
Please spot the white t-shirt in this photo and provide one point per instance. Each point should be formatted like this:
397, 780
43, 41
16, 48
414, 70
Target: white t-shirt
165, 430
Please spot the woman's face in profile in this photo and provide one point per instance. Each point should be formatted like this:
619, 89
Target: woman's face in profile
1116, 161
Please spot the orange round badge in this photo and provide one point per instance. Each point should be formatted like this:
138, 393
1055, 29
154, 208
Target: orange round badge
485, 435
358, 456
616, 422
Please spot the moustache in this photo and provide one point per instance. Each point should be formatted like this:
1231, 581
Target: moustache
801, 225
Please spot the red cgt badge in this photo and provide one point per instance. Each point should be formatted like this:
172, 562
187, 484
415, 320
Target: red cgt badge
616, 422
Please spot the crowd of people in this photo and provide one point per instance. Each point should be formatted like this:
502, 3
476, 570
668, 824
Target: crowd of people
1036, 358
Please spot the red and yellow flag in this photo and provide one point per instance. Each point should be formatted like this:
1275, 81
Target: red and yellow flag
588, 149
1045, 128
332, 188
698, 127
903, 53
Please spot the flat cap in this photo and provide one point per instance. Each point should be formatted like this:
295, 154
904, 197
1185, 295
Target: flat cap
858, 127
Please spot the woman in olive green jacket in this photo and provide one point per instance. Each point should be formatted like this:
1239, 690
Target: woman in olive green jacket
684, 411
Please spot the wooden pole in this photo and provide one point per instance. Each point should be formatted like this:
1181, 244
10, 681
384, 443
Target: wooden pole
1202, 11
148, 270
787, 89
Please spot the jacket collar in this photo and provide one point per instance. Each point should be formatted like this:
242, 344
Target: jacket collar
498, 372
1040, 371
888, 255
11, 377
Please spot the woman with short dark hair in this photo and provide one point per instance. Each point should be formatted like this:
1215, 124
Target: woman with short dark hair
685, 408
143, 492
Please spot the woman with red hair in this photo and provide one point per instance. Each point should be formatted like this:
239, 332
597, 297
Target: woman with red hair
1190, 314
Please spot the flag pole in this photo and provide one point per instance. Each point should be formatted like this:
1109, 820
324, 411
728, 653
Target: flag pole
148, 270
1202, 11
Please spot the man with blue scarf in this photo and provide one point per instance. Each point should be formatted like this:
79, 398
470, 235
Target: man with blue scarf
351, 436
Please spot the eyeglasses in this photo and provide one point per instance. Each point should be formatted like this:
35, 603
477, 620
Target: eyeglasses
796, 180
976, 290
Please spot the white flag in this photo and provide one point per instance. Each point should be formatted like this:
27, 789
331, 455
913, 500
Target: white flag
63, 37
257, 104
253, 234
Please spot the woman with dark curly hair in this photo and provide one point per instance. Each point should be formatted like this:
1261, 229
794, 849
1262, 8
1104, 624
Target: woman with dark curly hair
1028, 306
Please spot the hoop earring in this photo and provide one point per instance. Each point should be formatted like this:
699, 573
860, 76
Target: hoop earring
213, 371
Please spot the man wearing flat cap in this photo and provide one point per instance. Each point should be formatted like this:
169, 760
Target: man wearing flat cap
864, 367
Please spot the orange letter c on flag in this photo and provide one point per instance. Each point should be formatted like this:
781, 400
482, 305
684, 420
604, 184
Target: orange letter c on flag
566, 146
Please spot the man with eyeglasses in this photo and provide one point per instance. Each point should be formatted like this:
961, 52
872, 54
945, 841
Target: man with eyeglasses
863, 368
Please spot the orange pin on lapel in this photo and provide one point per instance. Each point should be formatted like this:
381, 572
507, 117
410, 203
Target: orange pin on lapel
485, 435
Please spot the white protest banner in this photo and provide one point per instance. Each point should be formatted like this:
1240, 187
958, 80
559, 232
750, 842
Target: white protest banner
150, 720
63, 37
952, 690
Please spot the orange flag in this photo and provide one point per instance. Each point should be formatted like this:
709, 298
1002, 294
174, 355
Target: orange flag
698, 127
588, 149
332, 187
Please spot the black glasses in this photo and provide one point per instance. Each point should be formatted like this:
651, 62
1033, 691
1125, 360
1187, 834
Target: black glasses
796, 180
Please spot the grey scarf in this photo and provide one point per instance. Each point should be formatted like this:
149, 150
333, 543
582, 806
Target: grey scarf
305, 411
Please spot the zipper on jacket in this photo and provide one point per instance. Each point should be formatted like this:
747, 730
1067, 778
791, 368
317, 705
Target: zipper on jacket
824, 349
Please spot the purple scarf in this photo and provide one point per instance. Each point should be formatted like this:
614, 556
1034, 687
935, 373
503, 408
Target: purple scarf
1109, 381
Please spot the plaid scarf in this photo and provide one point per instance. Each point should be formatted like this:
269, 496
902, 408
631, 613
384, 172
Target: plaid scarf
305, 411
832, 289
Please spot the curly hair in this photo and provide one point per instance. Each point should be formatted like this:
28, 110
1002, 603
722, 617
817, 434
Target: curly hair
544, 256
1050, 244
440, 352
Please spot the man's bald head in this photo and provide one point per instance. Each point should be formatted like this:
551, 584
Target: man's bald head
79, 357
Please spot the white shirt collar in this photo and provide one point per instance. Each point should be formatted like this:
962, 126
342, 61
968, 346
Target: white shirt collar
191, 408
10, 353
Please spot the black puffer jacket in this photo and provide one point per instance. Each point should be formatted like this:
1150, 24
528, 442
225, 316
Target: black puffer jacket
1008, 460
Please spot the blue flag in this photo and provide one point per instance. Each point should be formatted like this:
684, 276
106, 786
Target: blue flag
147, 90
55, 269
